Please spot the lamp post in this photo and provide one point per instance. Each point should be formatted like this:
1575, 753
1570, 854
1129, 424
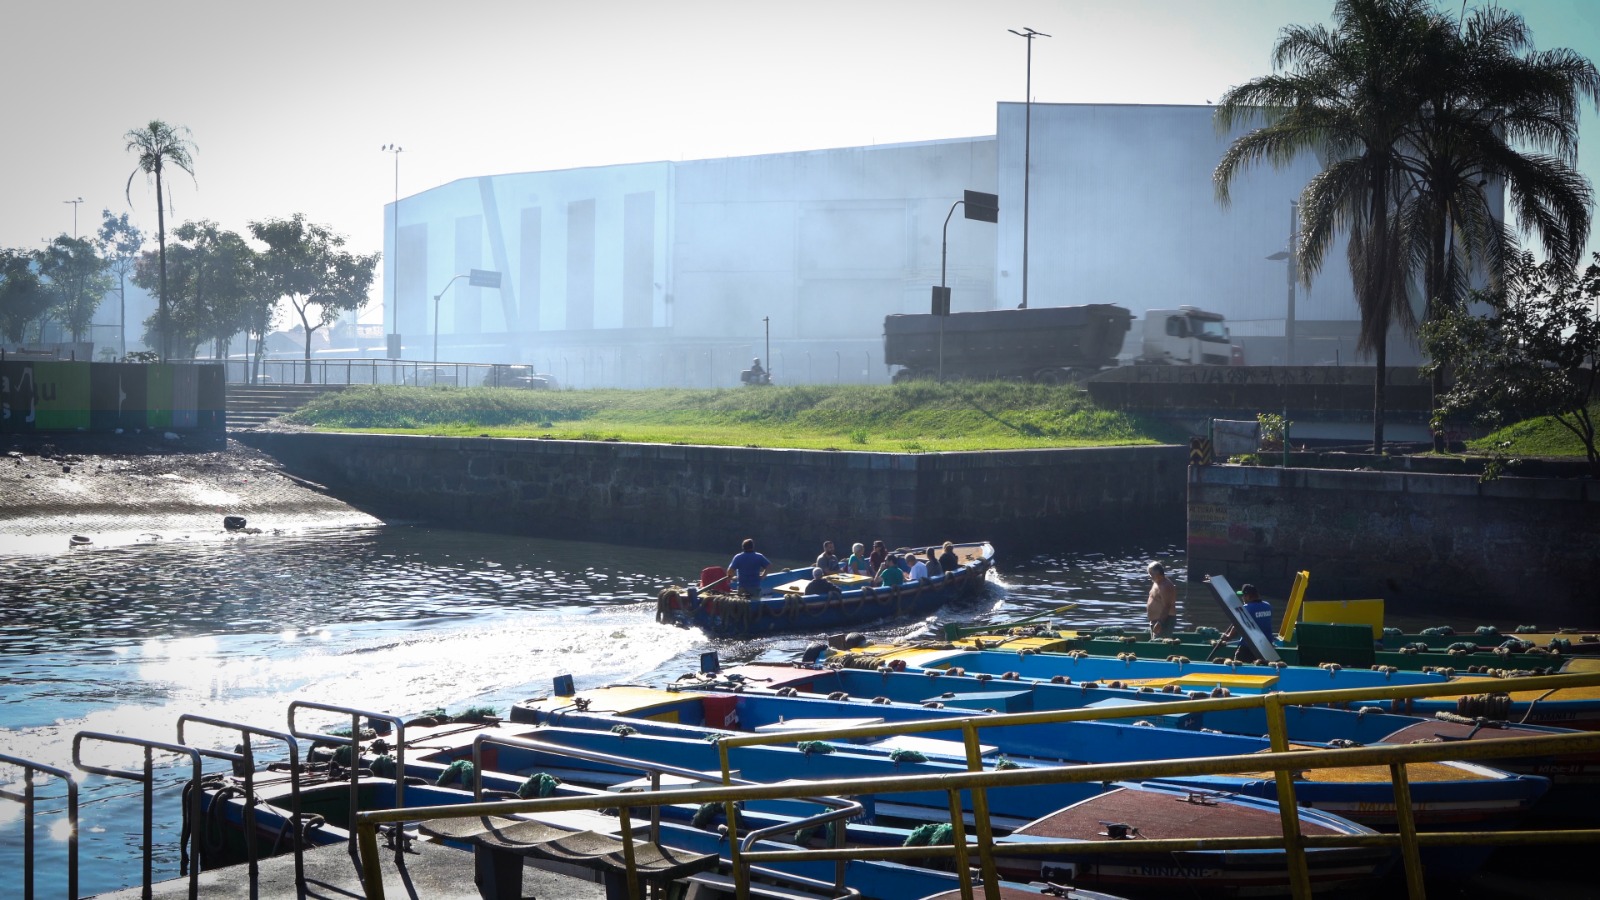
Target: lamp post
1292, 259
436, 298
74, 215
1027, 150
394, 261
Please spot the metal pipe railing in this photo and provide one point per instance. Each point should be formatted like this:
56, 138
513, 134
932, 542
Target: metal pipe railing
244, 760
840, 809
26, 798
1286, 762
353, 741
147, 778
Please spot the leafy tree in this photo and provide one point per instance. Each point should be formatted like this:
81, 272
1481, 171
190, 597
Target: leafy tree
1537, 354
159, 145
23, 297
305, 264
1414, 116
78, 282
120, 243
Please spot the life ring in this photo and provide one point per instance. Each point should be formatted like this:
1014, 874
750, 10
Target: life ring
667, 604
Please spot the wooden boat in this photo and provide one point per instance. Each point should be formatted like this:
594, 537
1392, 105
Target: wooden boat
893, 817
784, 607
1445, 795
1576, 707
1306, 724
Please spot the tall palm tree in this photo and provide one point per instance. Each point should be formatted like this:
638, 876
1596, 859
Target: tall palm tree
1488, 94
159, 145
1351, 95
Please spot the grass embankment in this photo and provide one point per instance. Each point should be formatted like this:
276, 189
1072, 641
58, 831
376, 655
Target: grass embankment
915, 418
1544, 437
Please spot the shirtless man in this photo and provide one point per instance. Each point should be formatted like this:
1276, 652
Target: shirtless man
1162, 607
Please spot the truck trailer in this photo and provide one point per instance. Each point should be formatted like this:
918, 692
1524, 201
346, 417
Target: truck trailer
1048, 344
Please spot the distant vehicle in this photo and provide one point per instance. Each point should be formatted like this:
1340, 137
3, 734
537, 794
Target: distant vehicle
523, 377
1049, 344
755, 375
433, 376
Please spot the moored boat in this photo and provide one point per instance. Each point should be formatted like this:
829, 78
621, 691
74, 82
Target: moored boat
717, 607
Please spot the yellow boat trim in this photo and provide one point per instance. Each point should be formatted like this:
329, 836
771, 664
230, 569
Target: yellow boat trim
1379, 774
1291, 612
1035, 643
1201, 679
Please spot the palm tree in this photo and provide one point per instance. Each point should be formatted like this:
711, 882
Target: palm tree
158, 145
1487, 95
1351, 95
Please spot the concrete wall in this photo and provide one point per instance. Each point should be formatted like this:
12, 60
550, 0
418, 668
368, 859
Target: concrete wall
1514, 549
708, 498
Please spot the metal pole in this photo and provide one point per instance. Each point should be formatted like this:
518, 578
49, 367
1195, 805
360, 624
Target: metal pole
394, 251
1027, 151
74, 215
1294, 256
767, 321
944, 250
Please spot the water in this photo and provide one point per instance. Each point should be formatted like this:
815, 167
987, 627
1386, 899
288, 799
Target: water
399, 619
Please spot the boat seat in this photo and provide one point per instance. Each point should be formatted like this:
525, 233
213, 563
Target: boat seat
504, 842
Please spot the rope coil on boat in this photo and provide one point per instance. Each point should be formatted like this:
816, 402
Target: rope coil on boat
1487, 706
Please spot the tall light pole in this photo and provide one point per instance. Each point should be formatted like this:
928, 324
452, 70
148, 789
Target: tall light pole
394, 256
1290, 255
1027, 151
74, 215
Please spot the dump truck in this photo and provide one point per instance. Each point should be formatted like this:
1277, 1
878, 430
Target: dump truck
1049, 344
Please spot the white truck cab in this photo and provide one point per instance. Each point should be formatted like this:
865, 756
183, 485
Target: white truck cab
1187, 336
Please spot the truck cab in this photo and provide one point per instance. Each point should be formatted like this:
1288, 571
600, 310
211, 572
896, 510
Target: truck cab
1187, 336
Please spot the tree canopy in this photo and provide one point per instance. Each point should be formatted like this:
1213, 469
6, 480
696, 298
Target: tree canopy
1413, 116
24, 299
305, 263
78, 282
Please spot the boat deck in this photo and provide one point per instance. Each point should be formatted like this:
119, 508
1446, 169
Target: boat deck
435, 871
1160, 816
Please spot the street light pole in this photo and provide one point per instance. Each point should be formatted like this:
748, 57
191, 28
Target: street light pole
394, 254
436, 317
74, 215
1027, 151
1290, 255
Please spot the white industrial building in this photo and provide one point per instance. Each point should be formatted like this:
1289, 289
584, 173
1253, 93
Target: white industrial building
679, 273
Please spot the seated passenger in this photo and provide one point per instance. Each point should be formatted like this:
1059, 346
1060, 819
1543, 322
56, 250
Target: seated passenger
878, 555
919, 569
948, 561
819, 583
934, 568
890, 574
857, 563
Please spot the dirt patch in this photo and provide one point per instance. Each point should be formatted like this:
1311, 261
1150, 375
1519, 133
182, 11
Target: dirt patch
63, 490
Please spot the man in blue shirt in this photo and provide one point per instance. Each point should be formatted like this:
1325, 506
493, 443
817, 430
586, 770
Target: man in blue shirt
1258, 611
749, 566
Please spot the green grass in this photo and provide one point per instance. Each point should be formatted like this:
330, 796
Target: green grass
915, 418
1542, 436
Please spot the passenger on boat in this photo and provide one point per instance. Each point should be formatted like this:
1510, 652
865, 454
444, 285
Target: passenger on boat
890, 574
827, 560
749, 566
857, 564
1162, 606
934, 568
948, 561
919, 569
819, 583
878, 555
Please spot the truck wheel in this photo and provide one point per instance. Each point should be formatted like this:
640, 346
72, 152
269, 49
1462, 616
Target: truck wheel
1052, 375
910, 374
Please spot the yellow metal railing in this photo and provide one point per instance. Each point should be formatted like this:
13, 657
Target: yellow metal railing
1283, 762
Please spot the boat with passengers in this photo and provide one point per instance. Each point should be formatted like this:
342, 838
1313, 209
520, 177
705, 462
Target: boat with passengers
719, 606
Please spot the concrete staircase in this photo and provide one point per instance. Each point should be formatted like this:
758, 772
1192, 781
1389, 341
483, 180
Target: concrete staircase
252, 405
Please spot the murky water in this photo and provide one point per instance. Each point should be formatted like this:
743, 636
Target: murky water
400, 619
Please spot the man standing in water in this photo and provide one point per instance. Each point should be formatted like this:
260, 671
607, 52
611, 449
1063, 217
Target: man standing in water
1162, 607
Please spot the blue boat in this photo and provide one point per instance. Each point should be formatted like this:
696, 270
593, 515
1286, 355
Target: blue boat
1445, 795
1072, 812
716, 607
1577, 775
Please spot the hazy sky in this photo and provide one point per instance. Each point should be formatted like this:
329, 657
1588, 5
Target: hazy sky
290, 102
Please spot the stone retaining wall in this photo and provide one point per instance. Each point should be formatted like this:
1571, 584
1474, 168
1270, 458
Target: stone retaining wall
1516, 550
711, 497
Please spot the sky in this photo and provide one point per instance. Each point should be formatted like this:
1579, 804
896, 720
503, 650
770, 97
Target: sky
290, 103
